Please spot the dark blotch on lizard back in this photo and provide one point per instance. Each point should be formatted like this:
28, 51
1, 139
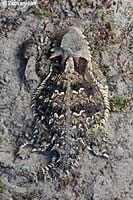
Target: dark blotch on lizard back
58, 67
92, 109
87, 88
59, 110
76, 108
89, 109
61, 88
48, 90
81, 67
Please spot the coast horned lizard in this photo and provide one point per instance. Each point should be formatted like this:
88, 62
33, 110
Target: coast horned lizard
71, 106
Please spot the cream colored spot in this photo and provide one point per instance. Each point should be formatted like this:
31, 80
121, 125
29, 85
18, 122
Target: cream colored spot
88, 119
74, 121
56, 115
53, 96
56, 91
81, 89
50, 121
47, 99
76, 114
80, 125
61, 116
60, 94
79, 114
54, 104
82, 111
74, 92
74, 127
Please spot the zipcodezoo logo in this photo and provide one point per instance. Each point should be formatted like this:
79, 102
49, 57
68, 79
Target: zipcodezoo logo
18, 3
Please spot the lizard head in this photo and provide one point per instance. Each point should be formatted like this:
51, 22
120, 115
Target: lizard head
71, 42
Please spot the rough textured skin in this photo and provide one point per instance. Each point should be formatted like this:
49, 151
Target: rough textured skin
70, 106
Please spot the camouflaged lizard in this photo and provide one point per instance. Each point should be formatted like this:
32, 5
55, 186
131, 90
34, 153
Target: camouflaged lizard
71, 106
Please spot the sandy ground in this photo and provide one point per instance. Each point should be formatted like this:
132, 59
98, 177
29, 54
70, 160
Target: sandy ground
97, 178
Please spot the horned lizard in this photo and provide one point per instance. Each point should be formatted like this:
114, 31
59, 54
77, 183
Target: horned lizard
71, 106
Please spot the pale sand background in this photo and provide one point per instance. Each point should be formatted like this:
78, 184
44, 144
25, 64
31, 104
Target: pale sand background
99, 179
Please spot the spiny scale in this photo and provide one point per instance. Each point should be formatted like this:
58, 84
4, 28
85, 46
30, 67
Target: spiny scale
71, 106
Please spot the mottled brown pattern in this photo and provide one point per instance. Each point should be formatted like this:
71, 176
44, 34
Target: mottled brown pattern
70, 106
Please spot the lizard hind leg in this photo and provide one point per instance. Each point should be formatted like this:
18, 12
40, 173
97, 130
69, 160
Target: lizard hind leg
99, 144
51, 170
